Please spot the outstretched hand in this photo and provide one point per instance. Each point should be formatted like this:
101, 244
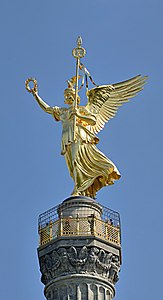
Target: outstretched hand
34, 93
34, 89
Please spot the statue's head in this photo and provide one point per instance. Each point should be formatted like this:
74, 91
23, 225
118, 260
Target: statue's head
69, 94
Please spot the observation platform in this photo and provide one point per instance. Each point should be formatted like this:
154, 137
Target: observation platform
79, 216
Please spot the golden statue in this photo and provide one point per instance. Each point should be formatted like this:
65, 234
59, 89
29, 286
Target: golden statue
89, 168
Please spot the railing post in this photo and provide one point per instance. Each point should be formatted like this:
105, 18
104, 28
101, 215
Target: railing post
39, 231
77, 224
118, 235
106, 230
91, 220
94, 224
61, 224
50, 233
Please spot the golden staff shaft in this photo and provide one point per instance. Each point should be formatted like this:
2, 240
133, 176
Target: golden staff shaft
78, 53
76, 93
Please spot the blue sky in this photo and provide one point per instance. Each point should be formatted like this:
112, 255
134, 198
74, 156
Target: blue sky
122, 39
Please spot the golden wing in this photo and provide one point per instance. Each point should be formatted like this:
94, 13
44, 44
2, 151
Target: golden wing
105, 100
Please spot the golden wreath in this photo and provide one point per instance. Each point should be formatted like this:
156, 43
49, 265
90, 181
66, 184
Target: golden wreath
34, 89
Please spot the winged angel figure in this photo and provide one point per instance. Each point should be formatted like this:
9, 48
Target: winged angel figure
88, 166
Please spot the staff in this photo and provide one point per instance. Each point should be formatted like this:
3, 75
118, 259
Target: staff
78, 53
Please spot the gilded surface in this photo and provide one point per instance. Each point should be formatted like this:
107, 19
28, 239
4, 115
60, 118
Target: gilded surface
89, 168
80, 227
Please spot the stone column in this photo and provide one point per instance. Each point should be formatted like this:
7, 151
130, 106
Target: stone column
79, 267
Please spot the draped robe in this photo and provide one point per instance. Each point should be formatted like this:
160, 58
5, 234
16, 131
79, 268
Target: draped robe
88, 166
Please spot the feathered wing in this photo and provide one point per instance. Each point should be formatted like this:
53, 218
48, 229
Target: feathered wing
72, 255
105, 100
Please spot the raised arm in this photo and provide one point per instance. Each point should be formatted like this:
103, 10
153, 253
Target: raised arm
34, 90
48, 109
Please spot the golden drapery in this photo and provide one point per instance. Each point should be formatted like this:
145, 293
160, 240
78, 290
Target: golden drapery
89, 167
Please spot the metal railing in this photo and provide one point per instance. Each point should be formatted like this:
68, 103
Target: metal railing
80, 226
53, 215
